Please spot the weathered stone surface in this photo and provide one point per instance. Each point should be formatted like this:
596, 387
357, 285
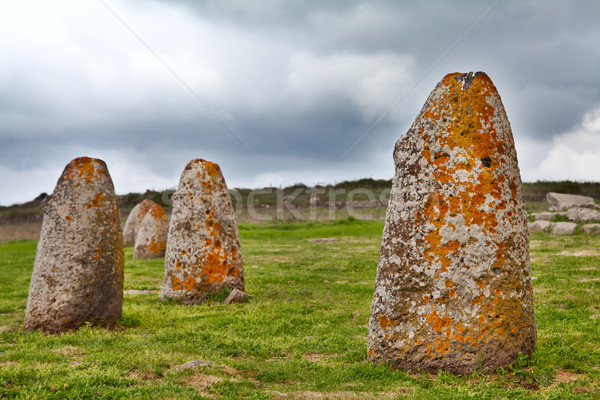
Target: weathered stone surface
453, 286
591, 229
560, 201
132, 225
203, 252
151, 239
539, 226
236, 296
78, 271
581, 214
563, 228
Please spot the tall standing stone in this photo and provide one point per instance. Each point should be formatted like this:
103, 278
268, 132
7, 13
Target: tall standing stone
151, 240
78, 271
453, 287
134, 220
203, 252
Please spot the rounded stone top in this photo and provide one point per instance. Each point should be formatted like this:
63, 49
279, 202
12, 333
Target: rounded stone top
200, 174
465, 80
85, 169
145, 206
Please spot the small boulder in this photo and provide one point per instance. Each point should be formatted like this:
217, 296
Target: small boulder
561, 201
545, 216
195, 364
539, 226
563, 228
78, 271
583, 214
237, 296
591, 229
151, 240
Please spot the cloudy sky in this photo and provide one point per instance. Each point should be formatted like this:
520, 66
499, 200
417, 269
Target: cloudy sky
280, 92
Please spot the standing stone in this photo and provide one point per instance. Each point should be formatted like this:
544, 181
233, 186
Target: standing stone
151, 240
132, 225
203, 252
453, 287
78, 271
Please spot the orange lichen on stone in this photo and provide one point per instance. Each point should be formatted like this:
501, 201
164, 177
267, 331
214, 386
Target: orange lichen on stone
176, 283
157, 247
385, 322
189, 282
96, 201
83, 167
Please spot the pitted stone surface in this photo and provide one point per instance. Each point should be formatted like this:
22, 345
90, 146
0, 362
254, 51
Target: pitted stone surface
203, 252
151, 239
132, 225
561, 201
78, 272
453, 287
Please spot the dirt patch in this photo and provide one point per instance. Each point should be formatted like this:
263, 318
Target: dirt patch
580, 253
304, 394
313, 357
200, 382
7, 364
142, 375
71, 351
323, 240
134, 292
563, 376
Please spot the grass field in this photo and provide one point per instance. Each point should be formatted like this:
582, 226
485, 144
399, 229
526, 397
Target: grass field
302, 335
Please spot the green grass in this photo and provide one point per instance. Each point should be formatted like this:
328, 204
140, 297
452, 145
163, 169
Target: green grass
302, 335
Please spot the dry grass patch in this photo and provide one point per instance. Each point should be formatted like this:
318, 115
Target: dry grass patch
201, 382
580, 253
21, 231
142, 375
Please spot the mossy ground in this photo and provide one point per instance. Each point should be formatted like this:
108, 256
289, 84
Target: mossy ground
302, 335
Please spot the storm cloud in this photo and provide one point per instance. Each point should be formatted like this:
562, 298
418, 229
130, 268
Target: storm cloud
281, 92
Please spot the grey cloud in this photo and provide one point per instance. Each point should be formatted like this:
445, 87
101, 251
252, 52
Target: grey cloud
299, 81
